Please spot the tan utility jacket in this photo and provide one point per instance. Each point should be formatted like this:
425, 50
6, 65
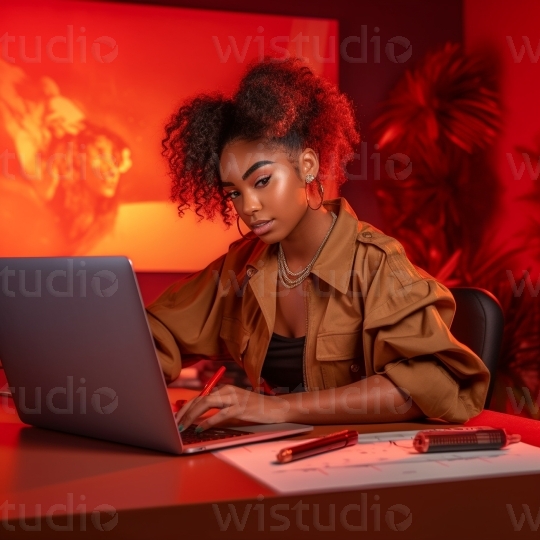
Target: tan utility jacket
369, 311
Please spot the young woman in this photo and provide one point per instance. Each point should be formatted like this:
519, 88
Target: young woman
329, 319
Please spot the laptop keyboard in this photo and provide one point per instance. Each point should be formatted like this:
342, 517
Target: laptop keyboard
211, 434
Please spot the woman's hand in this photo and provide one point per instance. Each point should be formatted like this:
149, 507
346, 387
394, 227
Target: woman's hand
235, 403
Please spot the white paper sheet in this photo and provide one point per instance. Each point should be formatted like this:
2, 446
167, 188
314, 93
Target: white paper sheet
379, 460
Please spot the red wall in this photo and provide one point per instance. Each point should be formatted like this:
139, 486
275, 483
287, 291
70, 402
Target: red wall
503, 31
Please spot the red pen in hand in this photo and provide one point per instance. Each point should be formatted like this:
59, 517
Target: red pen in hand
207, 387
334, 441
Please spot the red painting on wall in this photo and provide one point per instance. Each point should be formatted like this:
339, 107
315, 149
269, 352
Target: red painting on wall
85, 90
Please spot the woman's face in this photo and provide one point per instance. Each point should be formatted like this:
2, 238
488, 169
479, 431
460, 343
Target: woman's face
105, 173
263, 185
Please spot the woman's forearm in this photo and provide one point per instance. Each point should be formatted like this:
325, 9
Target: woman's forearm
370, 400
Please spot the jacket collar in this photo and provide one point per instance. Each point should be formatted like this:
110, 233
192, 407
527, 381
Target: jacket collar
334, 263
337, 256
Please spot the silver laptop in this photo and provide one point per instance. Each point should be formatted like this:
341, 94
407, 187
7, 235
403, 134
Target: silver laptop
79, 357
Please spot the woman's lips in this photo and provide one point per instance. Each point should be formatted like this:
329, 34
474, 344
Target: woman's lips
262, 229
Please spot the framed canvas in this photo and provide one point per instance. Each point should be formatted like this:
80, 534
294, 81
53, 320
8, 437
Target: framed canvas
85, 91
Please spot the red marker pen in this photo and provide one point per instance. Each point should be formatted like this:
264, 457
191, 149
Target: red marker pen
460, 440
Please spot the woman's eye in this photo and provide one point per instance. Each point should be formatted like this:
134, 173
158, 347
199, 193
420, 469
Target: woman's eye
234, 194
263, 181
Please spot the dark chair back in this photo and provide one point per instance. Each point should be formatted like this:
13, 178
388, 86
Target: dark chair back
479, 323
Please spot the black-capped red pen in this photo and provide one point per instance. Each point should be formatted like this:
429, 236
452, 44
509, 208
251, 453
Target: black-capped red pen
207, 387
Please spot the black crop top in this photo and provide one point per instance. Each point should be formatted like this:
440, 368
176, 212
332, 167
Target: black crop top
283, 364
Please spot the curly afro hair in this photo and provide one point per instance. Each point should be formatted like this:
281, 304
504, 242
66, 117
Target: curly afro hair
281, 102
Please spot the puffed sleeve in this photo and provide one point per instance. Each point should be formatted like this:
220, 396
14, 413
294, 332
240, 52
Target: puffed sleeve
407, 338
185, 320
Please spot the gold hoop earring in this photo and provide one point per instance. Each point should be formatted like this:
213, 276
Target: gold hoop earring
238, 225
309, 179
